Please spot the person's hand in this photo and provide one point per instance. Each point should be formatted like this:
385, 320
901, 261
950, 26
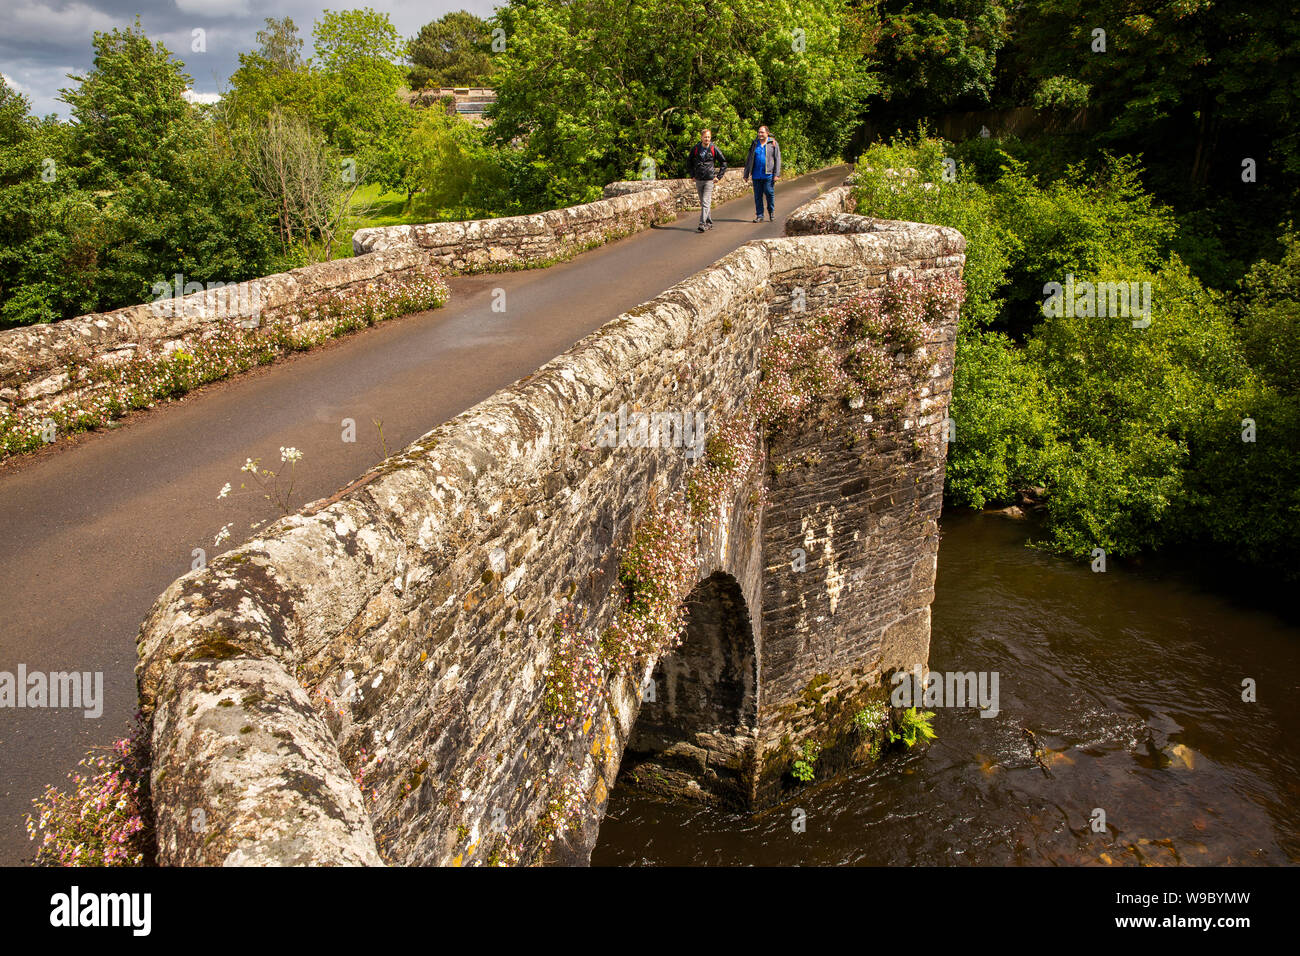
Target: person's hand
745, 179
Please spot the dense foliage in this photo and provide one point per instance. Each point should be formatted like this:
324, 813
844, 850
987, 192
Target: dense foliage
596, 88
138, 189
1132, 433
454, 50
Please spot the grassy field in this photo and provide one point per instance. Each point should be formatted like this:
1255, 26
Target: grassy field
371, 207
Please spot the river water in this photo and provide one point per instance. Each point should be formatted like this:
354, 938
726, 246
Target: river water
1130, 682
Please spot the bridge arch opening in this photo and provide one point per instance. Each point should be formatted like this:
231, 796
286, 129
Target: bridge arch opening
694, 736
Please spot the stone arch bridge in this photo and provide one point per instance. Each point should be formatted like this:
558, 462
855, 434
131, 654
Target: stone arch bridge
375, 679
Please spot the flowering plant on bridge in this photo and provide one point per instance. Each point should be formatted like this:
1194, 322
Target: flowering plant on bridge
573, 674
854, 353
106, 820
857, 351
106, 391
799, 365
268, 483
657, 570
564, 809
733, 455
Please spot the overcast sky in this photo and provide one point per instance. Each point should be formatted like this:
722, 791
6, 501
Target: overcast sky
42, 41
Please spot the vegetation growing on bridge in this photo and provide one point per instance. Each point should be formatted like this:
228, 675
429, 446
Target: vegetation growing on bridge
850, 356
575, 674
732, 456
658, 570
854, 354
913, 726
105, 819
563, 809
804, 768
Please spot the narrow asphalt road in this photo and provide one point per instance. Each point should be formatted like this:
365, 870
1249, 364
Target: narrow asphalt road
90, 535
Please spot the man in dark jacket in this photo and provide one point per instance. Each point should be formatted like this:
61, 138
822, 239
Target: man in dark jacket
707, 166
763, 166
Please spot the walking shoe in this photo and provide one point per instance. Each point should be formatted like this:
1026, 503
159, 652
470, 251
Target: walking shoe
700, 227
771, 219
758, 219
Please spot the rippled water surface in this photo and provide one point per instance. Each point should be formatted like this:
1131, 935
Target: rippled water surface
1130, 683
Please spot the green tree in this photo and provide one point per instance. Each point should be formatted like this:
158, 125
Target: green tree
1006, 425
939, 55
128, 109
1245, 492
361, 114
1269, 316
459, 174
279, 43
50, 229
146, 190
299, 173
1177, 78
593, 87
197, 214
1135, 433
454, 50
1127, 402
274, 77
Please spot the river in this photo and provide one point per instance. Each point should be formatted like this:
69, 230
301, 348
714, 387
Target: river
1130, 682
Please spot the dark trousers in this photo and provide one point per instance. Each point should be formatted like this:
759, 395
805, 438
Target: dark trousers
763, 188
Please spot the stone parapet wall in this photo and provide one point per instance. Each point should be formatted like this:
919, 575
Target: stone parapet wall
44, 366
833, 213
365, 681
434, 582
35, 359
683, 191
522, 241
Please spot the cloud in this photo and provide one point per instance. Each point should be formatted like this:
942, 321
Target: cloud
74, 23
12, 83
203, 98
40, 84
214, 8
41, 41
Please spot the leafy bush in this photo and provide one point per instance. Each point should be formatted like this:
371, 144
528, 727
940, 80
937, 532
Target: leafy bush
1060, 93
1003, 410
913, 726
964, 205
1134, 432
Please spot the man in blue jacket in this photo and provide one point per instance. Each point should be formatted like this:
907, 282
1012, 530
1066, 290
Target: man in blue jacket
763, 165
